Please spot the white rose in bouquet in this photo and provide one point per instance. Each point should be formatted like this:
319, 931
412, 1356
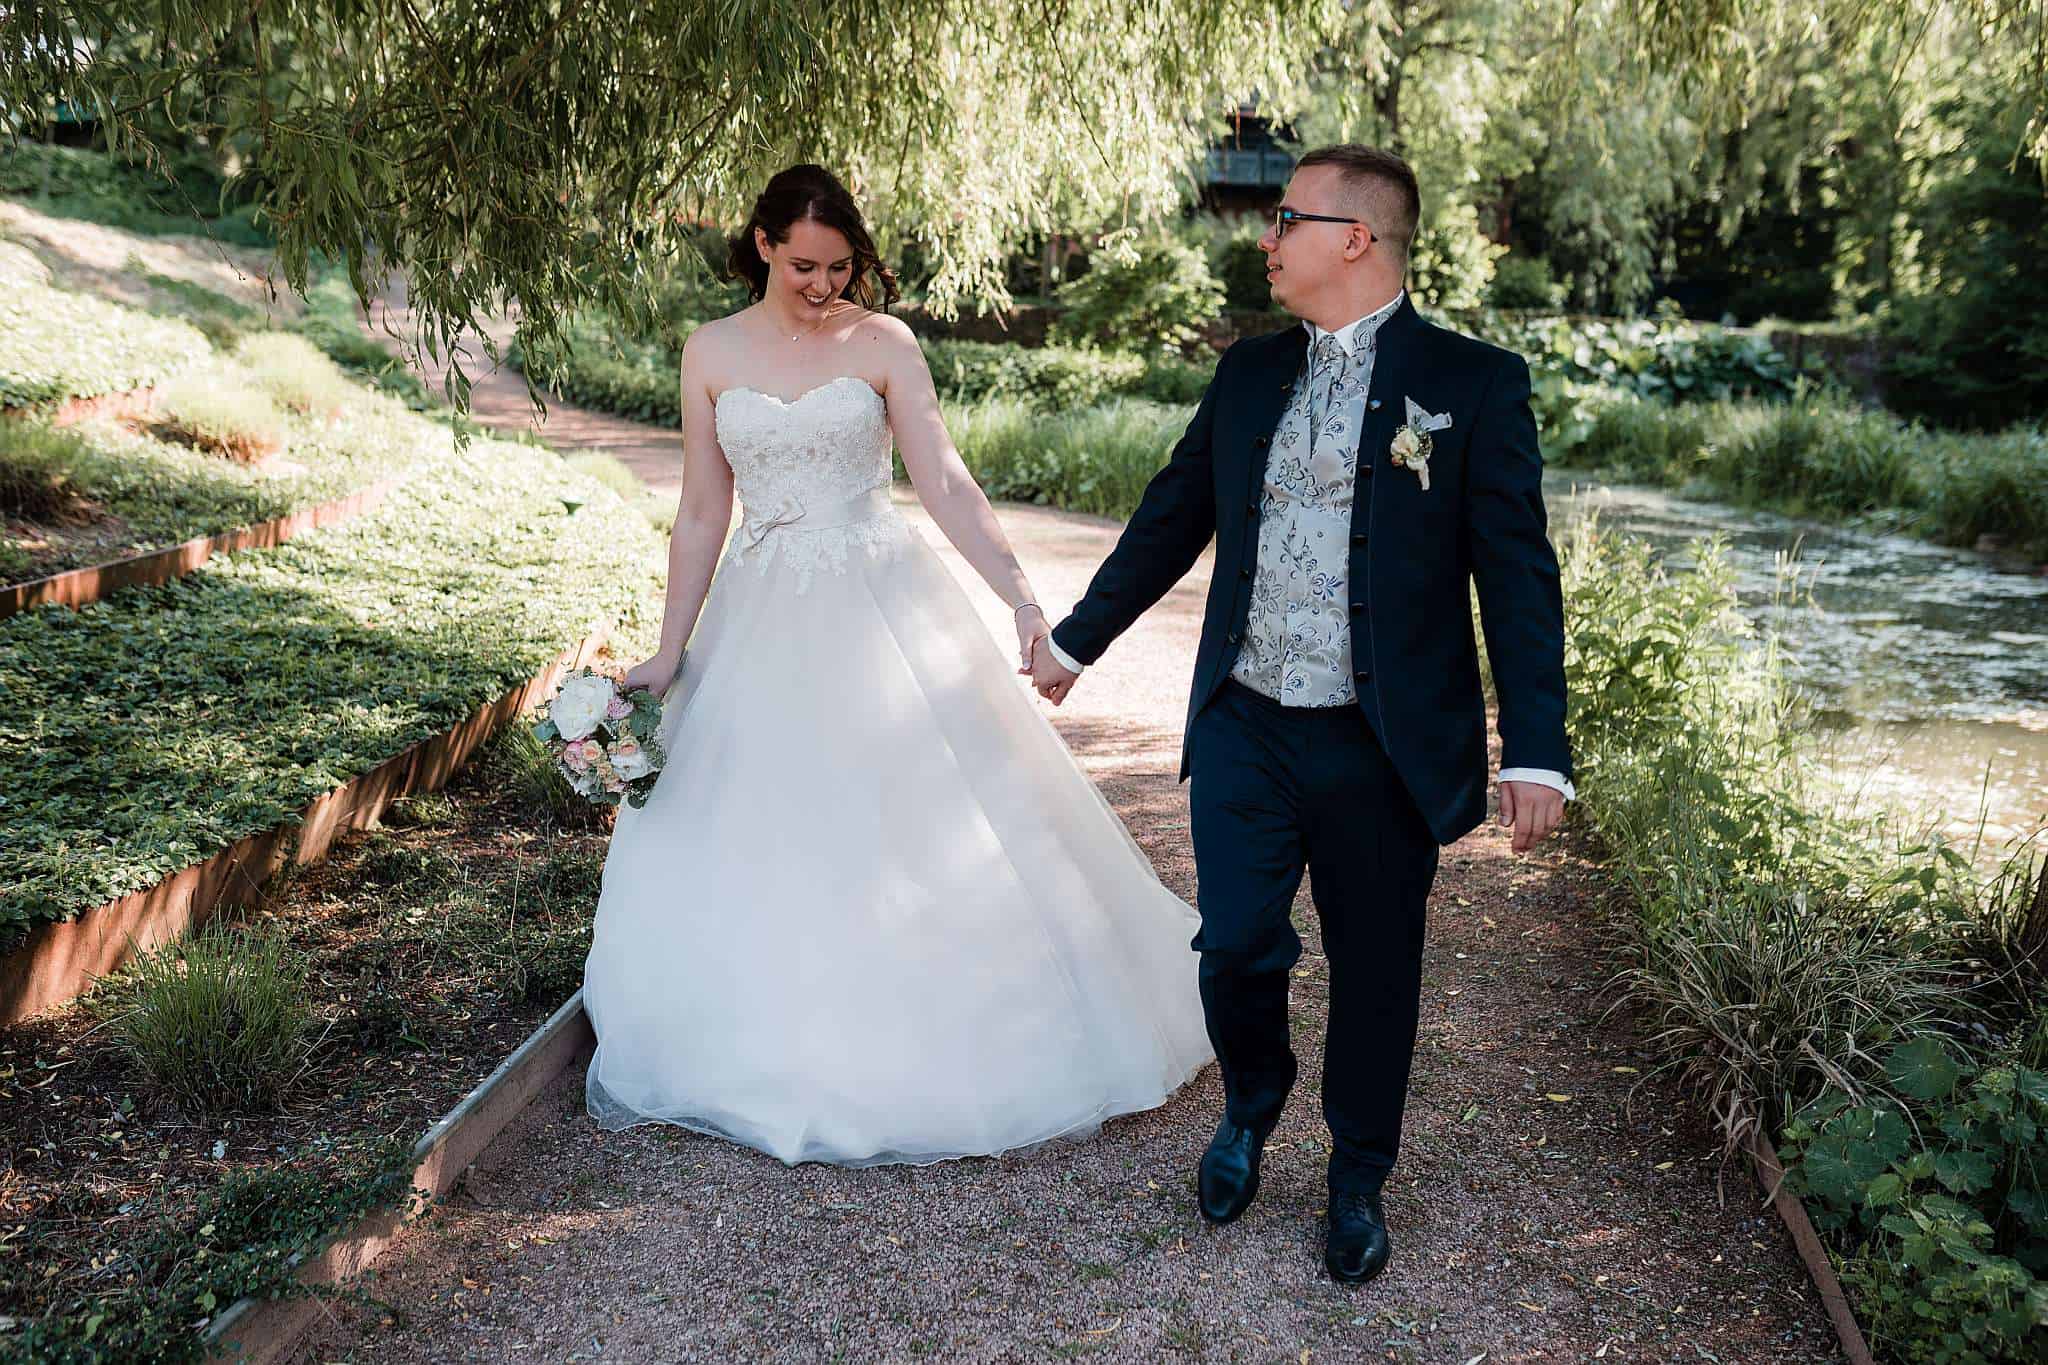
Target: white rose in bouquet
630, 761
580, 705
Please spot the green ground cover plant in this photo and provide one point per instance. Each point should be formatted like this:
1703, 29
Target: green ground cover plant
55, 344
160, 725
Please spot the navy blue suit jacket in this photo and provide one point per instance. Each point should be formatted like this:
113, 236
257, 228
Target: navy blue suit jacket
1413, 554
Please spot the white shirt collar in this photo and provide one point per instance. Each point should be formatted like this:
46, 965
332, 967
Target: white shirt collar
1350, 334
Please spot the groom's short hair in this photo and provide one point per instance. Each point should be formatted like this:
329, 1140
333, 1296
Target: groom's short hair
1382, 186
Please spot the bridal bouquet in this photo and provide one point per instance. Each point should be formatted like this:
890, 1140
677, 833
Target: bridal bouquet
604, 742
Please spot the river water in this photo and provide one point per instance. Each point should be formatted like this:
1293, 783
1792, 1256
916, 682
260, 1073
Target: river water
1929, 666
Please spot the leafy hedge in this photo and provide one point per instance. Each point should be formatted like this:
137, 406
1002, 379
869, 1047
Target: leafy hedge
55, 344
1817, 457
148, 731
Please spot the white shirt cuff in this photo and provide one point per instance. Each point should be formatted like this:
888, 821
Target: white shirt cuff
1542, 777
1061, 657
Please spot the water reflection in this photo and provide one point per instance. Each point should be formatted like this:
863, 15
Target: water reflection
1931, 663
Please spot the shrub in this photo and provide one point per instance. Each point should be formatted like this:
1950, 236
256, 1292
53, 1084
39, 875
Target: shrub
1936, 1198
223, 320
330, 323
1524, 282
609, 470
223, 415
218, 1019
295, 372
520, 765
1160, 294
81, 183
1451, 262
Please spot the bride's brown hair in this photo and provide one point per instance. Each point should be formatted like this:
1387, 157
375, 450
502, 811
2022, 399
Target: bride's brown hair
811, 192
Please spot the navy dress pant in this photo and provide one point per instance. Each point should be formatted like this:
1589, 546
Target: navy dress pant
1275, 791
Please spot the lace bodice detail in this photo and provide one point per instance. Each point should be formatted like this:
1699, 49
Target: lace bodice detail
806, 472
830, 444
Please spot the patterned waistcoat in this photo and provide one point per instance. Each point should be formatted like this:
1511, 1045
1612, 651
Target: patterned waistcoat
1297, 642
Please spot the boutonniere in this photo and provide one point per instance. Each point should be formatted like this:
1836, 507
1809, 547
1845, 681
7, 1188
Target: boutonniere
1412, 444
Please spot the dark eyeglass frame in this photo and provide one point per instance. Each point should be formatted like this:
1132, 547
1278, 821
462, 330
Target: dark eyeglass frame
1284, 219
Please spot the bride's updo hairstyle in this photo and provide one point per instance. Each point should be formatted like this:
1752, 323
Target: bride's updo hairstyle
812, 192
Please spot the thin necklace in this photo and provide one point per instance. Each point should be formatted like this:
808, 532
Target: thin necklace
815, 329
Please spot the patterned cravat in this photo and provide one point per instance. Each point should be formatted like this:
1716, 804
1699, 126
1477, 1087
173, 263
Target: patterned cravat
1328, 364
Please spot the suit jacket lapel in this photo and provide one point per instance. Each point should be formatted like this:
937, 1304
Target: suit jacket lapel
1386, 402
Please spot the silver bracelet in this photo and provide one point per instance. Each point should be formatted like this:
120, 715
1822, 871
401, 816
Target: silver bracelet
1021, 605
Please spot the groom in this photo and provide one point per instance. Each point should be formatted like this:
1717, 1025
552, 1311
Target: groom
1356, 473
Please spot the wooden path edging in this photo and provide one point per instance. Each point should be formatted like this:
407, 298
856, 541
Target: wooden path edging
77, 587
259, 1331
1770, 1173
57, 961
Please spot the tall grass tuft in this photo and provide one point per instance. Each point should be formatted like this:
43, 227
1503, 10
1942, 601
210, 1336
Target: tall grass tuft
521, 766
212, 412
1820, 456
38, 473
296, 373
1092, 460
218, 1019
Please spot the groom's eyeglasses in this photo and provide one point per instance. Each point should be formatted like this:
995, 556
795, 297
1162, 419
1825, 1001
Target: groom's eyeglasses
1287, 218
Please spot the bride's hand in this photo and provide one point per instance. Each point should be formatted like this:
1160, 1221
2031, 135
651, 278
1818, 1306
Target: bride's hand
655, 675
1031, 628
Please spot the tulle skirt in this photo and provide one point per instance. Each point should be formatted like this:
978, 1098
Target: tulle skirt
873, 910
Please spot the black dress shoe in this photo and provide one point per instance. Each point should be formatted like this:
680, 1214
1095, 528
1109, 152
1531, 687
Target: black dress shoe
1229, 1173
1357, 1249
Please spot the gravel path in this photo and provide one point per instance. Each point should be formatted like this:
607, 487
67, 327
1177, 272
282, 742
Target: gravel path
1551, 1203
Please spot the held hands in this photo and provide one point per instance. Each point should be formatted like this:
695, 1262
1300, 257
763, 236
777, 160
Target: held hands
1052, 680
1532, 809
1031, 628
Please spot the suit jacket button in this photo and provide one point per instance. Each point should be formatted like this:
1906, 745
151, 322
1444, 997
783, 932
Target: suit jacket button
1231, 638
1364, 470
1358, 537
1252, 507
1261, 441
1362, 674
1357, 608
1244, 573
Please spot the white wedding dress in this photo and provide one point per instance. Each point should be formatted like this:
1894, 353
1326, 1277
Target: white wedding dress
873, 910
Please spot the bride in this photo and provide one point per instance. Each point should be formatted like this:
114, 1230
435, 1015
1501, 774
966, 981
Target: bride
873, 911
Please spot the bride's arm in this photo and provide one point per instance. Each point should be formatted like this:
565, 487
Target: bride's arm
703, 514
944, 486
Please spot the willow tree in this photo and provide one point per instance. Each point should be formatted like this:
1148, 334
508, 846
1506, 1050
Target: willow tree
542, 154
